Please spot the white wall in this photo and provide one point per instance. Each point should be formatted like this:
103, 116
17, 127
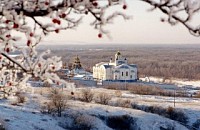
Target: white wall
99, 72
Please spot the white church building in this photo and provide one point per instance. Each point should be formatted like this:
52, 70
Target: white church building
117, 70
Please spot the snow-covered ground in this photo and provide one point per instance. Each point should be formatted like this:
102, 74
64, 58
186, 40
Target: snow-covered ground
178, 82
28, 117
189, 105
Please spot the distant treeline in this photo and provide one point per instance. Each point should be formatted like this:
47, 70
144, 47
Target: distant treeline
167, 62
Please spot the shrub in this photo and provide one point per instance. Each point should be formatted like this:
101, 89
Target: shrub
114, 86
169, 112
134, 105
57, 103
177, 115
58, 100
148, 90
103, 98
196, 125
168, 127
123, 103
20, 97
84, 122
197, 95
2, 125
156, 109
87, 95
41, 92
47, 107
121, 122
118, 93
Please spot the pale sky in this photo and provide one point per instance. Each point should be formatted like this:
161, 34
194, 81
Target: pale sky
145, 27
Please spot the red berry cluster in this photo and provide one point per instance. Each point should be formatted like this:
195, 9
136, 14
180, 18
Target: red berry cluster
63, 15
57, 83
56, 21
124, 6
94, 3
8, 35
100, 35
9, 83
57, 30
31, 34
28, 43
15, 25
39, 65
7, 21
7, 49
46, 3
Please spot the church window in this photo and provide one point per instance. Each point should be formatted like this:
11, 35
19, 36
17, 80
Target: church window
126, 73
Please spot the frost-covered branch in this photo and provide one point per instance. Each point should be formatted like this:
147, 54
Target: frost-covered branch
35, 19
179, 11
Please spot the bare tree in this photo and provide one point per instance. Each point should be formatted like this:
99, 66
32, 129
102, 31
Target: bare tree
58, 101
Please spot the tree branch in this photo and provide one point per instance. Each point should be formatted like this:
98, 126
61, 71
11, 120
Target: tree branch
13, 61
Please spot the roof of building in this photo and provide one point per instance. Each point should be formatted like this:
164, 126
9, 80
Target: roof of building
124, 66
101, 63
123, 63
108, 66
133, 65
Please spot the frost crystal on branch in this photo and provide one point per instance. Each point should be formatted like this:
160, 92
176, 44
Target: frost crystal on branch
35, 19
185, 12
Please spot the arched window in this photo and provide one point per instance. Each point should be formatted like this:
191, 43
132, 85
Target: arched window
126, 73
115, 76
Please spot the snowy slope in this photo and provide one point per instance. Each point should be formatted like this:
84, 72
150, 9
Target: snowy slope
28, 117
143, 120
19, 118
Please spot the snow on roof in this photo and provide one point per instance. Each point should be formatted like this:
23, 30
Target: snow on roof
123, 66
133, 65
101, 63
79, 76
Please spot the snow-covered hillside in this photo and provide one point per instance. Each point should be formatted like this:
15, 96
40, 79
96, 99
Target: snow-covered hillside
79, 114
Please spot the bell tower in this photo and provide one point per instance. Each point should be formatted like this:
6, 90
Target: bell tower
77, 63
118, 56
119, 59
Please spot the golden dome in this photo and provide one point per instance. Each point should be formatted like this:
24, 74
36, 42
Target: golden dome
118, 53
76, 59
